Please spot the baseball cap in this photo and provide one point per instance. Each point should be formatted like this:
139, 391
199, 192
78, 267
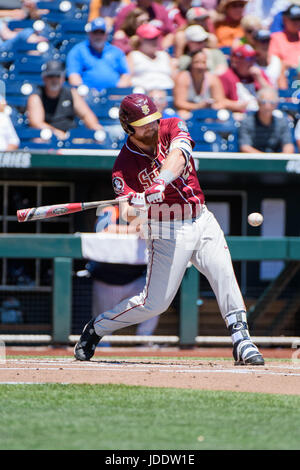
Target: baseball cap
221, 8
96, 25
196, 13
293, 12
245, 51
53, 67
196, 33
262, 35
148, 31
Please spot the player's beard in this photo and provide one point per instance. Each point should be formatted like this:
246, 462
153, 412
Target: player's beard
151, 137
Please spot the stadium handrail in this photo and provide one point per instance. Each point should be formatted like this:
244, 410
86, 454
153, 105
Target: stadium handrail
78, 159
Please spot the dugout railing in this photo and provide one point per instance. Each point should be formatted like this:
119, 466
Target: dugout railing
63, 249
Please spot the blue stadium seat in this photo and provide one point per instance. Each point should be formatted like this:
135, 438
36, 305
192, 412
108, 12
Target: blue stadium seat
84, 138
18, 119
16, 94
207, 122
27, 136
106, 112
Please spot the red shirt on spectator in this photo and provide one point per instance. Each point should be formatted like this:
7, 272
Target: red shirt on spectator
230, 81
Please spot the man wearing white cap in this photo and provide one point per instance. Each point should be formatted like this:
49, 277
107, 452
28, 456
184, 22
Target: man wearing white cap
197, 40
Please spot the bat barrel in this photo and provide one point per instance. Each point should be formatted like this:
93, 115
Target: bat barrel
45, 212
24, 214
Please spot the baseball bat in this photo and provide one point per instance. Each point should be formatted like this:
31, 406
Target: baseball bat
45, 212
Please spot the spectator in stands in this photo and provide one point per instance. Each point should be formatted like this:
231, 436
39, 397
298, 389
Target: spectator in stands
196, 40
19, 10
195, 16
297, 135
10, 40
242, 80
197, 88
160, 99
107, 9
228, 26
8, 137
270, 64
264, 131
177, 13
149, 66
122, 37
56, 106
276, 23
265, 10
286, 44
200, 16
158, 16
96, 63
250, 25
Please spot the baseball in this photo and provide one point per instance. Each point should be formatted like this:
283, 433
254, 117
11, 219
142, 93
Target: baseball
255, 219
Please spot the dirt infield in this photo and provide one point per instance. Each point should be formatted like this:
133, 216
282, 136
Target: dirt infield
153, 368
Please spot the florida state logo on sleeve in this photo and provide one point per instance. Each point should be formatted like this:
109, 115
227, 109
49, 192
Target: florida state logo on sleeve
118, 184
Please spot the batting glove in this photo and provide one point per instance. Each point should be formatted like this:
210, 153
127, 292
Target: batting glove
137, 200
156, 192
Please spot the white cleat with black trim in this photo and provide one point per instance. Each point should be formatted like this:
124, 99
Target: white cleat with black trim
246, 353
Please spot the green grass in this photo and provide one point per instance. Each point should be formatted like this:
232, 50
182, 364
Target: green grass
117, 417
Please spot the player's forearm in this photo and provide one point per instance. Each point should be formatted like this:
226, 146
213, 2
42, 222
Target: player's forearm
127, 212
173, 166
249, 149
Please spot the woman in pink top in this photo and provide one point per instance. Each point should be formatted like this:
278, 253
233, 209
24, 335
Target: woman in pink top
286, 44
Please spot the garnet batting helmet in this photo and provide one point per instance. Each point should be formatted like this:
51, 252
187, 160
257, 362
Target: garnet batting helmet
137, 110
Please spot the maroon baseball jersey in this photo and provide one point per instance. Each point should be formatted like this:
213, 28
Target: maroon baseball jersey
135, 171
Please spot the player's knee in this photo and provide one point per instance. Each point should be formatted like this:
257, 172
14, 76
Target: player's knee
156, 308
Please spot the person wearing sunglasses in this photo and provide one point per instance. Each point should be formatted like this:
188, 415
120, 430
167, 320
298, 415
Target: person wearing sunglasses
250, 25
286, 44
265, 131
269, 63
242, 80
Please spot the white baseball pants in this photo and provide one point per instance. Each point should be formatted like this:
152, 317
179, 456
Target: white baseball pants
106, 296
200, 241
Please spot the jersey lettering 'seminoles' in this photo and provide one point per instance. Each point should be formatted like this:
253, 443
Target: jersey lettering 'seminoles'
135, 171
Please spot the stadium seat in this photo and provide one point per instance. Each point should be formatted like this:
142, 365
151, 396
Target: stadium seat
17, 92
18, 119
27, 135
81, 137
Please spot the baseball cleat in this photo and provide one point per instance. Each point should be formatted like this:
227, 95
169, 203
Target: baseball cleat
85, 348
246, 353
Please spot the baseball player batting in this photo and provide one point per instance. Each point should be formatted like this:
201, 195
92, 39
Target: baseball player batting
155, 169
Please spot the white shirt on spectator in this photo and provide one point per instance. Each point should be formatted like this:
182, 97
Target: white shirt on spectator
8, 135
151, 73
265, 10
273, 70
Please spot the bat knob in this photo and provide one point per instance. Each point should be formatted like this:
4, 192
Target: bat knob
22, 214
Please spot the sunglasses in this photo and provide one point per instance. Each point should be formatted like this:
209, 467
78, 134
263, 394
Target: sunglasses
273, 102
247, 59
237, 5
